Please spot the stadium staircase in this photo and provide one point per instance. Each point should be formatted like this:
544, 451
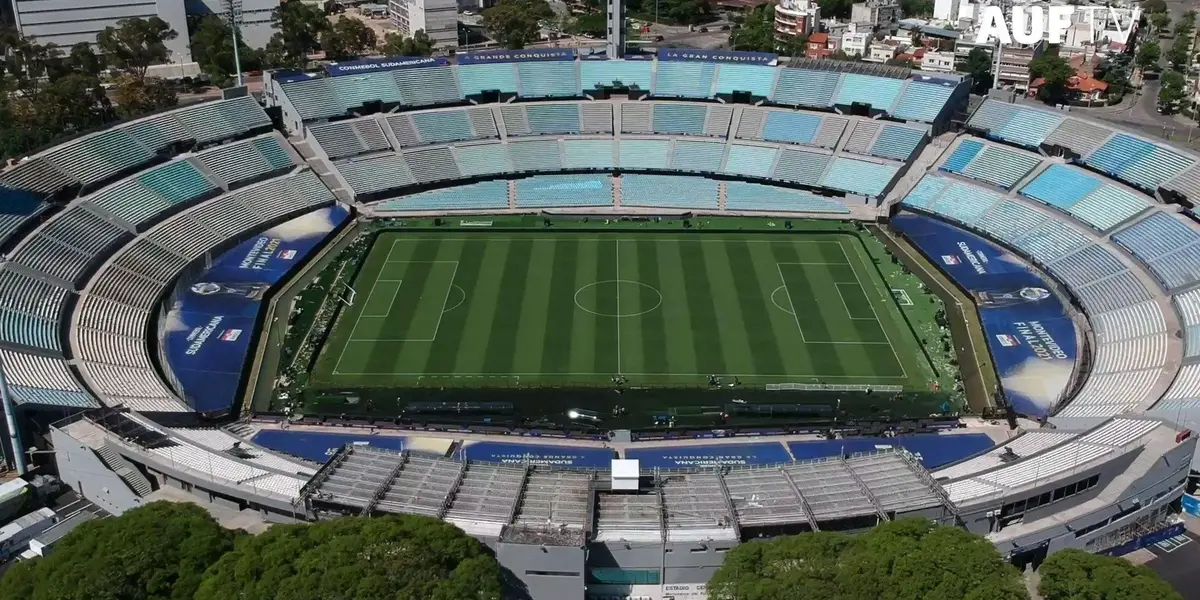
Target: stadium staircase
1042, 166
721, 194
127, 472
616, 188
512, 194
930, 155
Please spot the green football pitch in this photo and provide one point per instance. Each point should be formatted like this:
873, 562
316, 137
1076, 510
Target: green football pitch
504, 309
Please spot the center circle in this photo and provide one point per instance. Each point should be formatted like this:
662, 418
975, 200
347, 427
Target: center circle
607, 295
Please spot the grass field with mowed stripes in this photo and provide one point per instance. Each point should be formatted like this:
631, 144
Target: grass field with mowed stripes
466, 309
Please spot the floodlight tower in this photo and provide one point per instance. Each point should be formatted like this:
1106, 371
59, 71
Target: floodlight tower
14, 435
233, 11
616, 28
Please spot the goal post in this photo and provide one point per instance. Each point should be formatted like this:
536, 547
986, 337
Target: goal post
348, 294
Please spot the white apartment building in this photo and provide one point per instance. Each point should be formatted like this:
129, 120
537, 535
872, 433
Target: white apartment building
438, 18
938, 62
796, 17
855, 41
876, 13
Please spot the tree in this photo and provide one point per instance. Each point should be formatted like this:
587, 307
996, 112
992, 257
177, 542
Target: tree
1154, 6
835, 8
395, 44
979, 66
1149, 55
136, 97
515, 23
1172, 92
1160, 20
300, 26
900, 560
212, 49
593, 24
757, 33
348, 38
158, 551
135, 44
916, 8
389, 557
1054, 72
1078, 575
83, 59
1114, 71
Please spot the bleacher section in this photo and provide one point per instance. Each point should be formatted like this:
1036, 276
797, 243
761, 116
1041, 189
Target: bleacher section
1085, 196
1020, 125
477, 196
859, 177
564, 191
755, 197
991, 163
683, 79
635, 74
923, 100
1137, 161
669, 191
879, 92
1167, 244
801, 87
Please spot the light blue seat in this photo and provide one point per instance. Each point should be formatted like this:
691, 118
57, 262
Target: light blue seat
921, 101
756, 79
56, 398
238, 162
178, 182
99, 156
553, 118
223, 119
550, 79
376, 173
1137, 161
588, 154
703, 157
354, 90
750, 161
1010, 220
791, 127
644, 154
15, 208
805, 168
687, 119
879, 92
1061, 186
313, 98
897, 142
427, 85
964, 203
476, 196
1001, 166
475, 79
1107, 206
276, 156
859, 176
802, 87
612, 73
1018, 124
536, 155
158, 132
1050, 240
483, 159
1179, 268
1085, 266
966, 151
442, 126
669, 191
742, 196
926, 191
684, 79
28, 330
1155, 236
550, 191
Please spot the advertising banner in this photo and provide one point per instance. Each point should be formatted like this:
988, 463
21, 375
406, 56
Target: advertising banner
318, 446
1030, 335
541, 455
526, 55
207, 333
933, 450
676, 457
718, 56
390, 63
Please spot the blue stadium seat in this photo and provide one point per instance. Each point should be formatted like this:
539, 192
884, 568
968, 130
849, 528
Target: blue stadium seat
548, 191
926, 192
178, 182
15, 207
791, 127
442, 126
1156, 236
483, 159
474, 79
536, 155
684, 79
963, 203
644, 154
879, 92
1107, 206
897, 142
750, 161
800, 166
921, 101
588, 154
427, 85
669, 191
552, 79
354, 90
1018, 124
756, 79
553, 118
313, 98
1061, 186
801, 87
1001, 166
754, 197
630, 73
476, 196
859, 176
688, 119
963, 154
704, 157
1137, 161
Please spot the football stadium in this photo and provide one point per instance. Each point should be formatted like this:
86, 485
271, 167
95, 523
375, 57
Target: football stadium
562, 303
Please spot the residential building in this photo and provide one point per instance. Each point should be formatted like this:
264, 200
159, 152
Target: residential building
855, 41
967, 43
438, 18
820, 45
938, 62
796, 17
883, 51
1014, 64
876, 13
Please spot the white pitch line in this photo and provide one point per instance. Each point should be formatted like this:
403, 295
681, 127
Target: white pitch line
795, 316
886, 296
442, 314
618, 313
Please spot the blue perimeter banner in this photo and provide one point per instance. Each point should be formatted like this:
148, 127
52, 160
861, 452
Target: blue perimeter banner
541, 455
931, 449
319, 446
391, 63
207, 333
718, 56
676, 457
1031, 338
527, 55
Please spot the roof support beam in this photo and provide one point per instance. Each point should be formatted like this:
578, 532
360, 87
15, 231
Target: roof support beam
385, 484
512, 510
804, 506
733, 518
866, 492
